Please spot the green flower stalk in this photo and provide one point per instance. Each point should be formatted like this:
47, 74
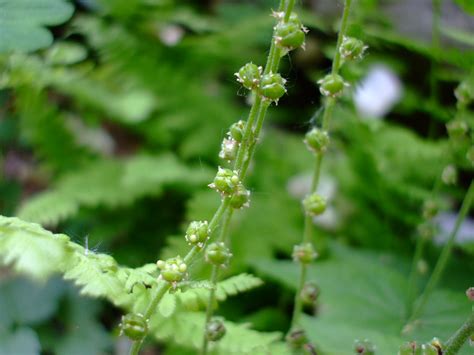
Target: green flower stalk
317, 141
268, 87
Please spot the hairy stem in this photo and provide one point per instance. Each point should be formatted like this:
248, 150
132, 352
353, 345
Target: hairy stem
444, 256
455, 343
328, 110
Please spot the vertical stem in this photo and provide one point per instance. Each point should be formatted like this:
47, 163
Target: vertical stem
444, 256
214, 276
328, 110
435, 44
455, 343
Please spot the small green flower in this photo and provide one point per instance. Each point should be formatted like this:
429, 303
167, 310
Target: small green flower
272, 86
449, 175
134, 326
314, 204
218, 254
332, 85
317, 140
249, 76
225, 182
430, 209
304, 253
352, 48
172, 270
197, 233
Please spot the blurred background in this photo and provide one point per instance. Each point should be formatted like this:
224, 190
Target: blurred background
111, 134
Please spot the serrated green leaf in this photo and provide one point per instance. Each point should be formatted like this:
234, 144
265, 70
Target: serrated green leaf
31, 249
236, 284
22, 23
363, 297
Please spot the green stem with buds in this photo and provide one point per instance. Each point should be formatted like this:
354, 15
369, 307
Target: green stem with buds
455, 343
328, 110
444, 256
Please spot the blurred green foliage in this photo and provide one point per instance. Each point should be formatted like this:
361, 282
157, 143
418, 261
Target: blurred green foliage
110, 135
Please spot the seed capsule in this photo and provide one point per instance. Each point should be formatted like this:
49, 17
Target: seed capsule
430, 209
240, 198
470, 293
457, 129
296, 338
317, 140
218, 254
449, 175
225, 181
465, 92
272, 86
332, 85
352, 48
236, 131
134, 326
304, 253
289, 35
215, 329
249, 76
309, 294
314, 204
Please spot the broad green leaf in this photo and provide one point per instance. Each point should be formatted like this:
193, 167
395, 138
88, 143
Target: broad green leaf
22, 23
363, 297
167, 305
23, 341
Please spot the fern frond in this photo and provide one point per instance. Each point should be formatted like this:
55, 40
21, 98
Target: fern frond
185, 329
109, 183
237, 284
31, 249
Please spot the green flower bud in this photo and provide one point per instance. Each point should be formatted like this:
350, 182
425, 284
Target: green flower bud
465, 92
172, 270
430, 209
426, 230
237, 130
225, 182
429, 349
332, 85
470, 293
317, 140
296, 338
229, 149
449, 175
364, 347
249, 76
197, 233
215, 329
304, 253
240, 198
314, 204
134, 326
289, 35
309, 294
436, 344
218, 254
457, 129
272, 86
352, 48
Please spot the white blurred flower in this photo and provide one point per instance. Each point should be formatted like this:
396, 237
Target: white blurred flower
378, 92
446, 222
171, 35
